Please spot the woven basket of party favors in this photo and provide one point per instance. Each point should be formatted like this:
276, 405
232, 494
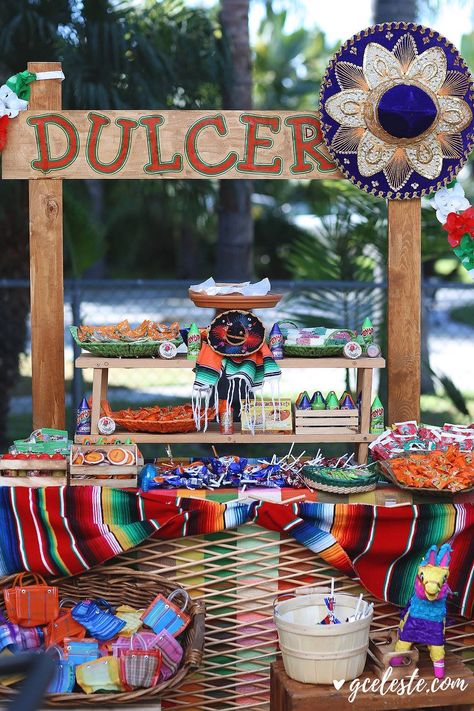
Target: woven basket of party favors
132, 656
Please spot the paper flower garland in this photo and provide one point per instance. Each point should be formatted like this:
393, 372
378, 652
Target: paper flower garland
457, 217
397, 110
15, 94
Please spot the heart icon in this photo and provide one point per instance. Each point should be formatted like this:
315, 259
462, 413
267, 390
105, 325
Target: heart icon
338, 683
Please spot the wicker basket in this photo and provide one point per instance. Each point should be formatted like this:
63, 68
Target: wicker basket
123, 585
386, 470
122, 349
317, 478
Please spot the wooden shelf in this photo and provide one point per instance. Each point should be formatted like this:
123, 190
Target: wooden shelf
88, 360
359, 436
213, 436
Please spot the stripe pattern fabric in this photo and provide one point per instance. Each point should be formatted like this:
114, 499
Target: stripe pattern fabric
64, 531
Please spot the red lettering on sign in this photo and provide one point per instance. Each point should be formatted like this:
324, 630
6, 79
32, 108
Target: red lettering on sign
98, 122
253, 141
156, 165
196, 161
45, 161
307, 140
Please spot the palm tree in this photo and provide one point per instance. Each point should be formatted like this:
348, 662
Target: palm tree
235, 225
28, 31
115, 54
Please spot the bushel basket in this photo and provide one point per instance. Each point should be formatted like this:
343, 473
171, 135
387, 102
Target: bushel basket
122, 585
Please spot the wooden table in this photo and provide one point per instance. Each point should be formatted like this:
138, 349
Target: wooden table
289, 695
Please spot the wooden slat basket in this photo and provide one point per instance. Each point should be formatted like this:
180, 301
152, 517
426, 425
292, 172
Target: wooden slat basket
107, 474
123, 585
314, 422
55, 472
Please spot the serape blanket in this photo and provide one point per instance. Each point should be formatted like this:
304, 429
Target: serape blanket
252, 371
65, 531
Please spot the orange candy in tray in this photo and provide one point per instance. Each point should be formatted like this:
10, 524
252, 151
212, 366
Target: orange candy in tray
449, 471
159, 420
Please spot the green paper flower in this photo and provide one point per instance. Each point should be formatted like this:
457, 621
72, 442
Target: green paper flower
20, 84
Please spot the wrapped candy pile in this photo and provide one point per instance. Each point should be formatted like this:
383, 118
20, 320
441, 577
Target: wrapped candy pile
409, 436
231, 472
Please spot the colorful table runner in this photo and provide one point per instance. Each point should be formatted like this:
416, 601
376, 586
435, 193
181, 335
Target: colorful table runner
59, 530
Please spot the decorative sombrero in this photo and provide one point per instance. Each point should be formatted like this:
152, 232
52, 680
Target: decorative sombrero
396, 109
236, 333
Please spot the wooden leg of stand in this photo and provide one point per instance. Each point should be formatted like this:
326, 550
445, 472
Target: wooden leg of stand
96, 393
364, 385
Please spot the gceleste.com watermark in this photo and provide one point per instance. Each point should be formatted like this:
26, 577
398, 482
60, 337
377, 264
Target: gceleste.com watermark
414, 684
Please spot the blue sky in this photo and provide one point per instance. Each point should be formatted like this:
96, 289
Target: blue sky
340, 19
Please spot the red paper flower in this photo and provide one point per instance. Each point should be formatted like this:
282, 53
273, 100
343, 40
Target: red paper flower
458, 225
3, 132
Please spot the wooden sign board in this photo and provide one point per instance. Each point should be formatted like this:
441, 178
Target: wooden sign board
166, 144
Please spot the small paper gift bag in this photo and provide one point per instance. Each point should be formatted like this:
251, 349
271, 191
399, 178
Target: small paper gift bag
19, 639
162, 614
31, 605
63, 626
81, 651
139, 667
132, 617
100, 623
171, 654
64, 678
99, 675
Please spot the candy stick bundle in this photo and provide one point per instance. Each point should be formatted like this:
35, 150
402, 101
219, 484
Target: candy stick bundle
362, 610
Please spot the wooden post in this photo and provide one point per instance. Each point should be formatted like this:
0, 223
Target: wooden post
404, 310
46, 275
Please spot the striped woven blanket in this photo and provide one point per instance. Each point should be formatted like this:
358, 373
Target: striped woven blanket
64, 531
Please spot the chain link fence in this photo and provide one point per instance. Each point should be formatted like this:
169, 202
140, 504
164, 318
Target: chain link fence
448, 330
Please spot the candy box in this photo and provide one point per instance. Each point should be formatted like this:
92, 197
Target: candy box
272, 417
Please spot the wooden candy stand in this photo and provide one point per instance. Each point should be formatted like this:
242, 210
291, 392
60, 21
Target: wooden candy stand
238, 572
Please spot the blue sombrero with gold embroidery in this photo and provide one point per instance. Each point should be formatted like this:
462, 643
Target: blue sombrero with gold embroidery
397, 105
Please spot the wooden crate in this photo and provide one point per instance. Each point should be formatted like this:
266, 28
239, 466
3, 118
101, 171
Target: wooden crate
22, 466
104, 474
315, 422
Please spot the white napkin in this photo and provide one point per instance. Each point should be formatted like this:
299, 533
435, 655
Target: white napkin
245, 288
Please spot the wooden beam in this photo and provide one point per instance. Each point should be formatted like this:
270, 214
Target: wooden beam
404, 310
46, 275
